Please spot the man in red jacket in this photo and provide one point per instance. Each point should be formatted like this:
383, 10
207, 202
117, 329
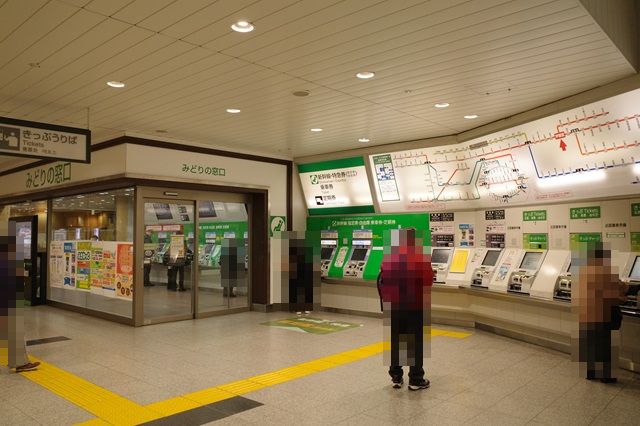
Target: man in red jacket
405, 290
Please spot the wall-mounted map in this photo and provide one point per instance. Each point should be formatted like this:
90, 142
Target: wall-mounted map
587, 152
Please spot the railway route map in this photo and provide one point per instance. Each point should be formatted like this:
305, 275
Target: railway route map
582, 153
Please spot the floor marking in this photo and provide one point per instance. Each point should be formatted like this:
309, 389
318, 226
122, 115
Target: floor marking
113, 409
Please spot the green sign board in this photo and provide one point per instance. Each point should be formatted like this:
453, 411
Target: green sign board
312, 325
535, 241
575, 239
592, 212
376, 225
277, 224
635, 209
635, 241
534, 215
336, 187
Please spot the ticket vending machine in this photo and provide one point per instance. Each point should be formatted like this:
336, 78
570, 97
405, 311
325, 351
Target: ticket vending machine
556, 262
521, 280
328, 244
483, 274
361, 242
463, 263
562, 288
508, 262
440, 259
630, 274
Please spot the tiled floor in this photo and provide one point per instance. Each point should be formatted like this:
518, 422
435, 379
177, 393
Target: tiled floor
481, 379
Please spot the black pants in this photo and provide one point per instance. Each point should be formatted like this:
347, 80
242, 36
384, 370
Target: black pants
595, 349
147, 274
407, 336
172, 273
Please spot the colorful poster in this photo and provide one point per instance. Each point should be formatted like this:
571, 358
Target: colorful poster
83, 265
56, 264
96, 267
467, 235
69, 248
124, 271
108, 284
176, 248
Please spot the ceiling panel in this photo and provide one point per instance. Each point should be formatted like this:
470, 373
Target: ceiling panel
183, 66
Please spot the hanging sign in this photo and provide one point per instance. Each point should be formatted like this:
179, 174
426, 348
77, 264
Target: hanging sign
22, 138
336, 187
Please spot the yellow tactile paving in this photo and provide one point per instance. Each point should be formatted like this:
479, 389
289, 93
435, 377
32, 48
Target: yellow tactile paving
113, 409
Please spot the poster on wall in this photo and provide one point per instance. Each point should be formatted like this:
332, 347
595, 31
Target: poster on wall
56, 263
336, 187
108, 272
466, 235
69, 248
124, 270
83, 265
585, 152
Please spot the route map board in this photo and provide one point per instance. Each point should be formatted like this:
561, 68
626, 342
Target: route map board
582, 153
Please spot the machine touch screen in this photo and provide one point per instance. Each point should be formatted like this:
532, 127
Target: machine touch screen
359, 254
440, 256
326, 252
530, 261
491, 258
635, 270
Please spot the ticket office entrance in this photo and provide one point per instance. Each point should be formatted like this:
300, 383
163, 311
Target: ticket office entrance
196, 254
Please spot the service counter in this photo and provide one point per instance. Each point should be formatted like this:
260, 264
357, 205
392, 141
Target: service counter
541, 322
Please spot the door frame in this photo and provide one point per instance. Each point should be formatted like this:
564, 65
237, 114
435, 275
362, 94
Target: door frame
194, 196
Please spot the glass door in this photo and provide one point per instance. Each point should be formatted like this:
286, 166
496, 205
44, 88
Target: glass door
223, 256
169, 250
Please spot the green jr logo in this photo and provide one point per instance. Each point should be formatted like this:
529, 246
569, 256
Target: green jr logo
314, 179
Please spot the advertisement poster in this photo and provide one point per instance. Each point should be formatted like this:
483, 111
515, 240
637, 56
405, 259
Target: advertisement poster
69, 264
466, 234
124, 271
336, 186
56, 263
108, 272
176, 248
83, 265
96, 267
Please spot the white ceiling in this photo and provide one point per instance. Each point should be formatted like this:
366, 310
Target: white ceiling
183, 66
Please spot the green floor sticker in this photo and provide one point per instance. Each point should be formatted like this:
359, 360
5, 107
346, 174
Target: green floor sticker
311, 325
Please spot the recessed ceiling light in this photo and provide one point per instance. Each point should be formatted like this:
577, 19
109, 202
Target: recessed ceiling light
363, 140
242, 27
441, 105
471, 116
316, 129
233, 110
116, 84
365, 75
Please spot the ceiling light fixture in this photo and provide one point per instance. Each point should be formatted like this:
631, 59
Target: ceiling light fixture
242, 27
441, 105
363, 140
471, 116
365, 75
115, 84
316, 129
233, 110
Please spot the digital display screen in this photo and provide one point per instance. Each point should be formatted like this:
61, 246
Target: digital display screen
440, 256
491, 258
206, 209
530, 260
326, 252
359, 254
163, 211
635, 270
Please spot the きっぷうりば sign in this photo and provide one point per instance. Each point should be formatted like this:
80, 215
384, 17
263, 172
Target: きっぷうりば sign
336, 186
21, 138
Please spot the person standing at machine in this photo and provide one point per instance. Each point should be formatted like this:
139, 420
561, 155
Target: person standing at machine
147, 259
404, 284
12, 338
596, 298
303, 273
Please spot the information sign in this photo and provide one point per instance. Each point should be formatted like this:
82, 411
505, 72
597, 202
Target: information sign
494, 214
336, 187
592, 212
534, 215
22, 138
